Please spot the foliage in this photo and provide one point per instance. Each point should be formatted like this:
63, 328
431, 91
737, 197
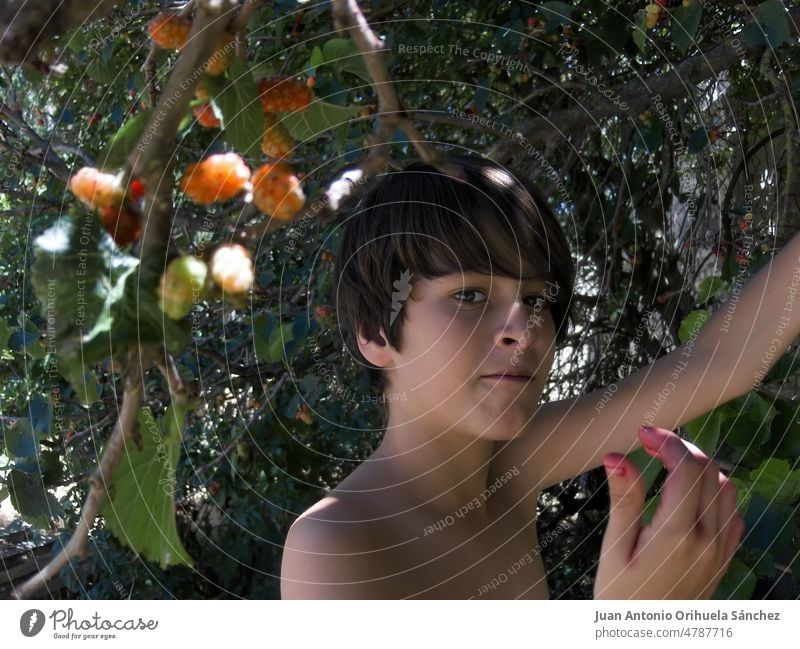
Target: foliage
284, 414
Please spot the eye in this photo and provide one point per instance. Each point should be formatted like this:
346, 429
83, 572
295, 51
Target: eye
539, 302
467, 291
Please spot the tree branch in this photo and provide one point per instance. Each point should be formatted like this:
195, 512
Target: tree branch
124, 429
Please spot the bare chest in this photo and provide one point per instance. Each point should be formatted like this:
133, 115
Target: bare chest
499, 561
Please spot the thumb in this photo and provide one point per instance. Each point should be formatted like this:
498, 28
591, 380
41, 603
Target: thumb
626, 493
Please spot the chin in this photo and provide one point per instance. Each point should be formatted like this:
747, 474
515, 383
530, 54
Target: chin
503, 427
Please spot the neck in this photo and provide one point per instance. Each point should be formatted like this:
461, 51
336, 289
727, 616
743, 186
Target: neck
441, 471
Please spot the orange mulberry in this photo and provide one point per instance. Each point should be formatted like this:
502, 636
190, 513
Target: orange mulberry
206, 117
277, 191
277, 142
283, 94
170, 31
96, 189
217, 178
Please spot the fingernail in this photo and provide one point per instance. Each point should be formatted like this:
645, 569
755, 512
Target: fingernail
614, 468
653, 436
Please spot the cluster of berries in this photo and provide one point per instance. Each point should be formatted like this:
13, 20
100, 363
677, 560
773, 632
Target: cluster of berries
104, 194
276, 189
171, 31
188, 279
280, 94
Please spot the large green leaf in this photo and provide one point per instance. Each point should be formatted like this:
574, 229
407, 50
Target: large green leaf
770, 26
31, 499
703, 431
344, 55
317, 119
236, 99
98, 300
685, 21
20, 438
140, 511
76, 270
775, 480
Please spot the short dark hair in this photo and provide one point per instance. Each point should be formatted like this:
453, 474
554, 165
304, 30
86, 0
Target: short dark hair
419, 221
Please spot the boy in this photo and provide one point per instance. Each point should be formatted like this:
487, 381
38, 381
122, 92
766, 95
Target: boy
445, 288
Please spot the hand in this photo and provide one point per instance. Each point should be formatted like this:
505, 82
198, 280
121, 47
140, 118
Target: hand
685, 550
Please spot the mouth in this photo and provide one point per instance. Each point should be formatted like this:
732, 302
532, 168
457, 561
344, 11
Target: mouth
510, 378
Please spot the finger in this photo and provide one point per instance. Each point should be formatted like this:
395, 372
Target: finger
680, 495
626, 494
728, 496
710, 507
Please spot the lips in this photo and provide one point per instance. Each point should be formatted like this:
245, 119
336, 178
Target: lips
517, 378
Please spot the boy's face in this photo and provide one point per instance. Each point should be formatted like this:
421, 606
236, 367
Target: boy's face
459, 329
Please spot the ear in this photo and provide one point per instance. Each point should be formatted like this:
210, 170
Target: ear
379, 352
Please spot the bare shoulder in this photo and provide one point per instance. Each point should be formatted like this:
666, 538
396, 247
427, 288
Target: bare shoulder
329, 553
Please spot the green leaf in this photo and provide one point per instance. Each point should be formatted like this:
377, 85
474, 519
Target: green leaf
770, 26
650, 508
239, 106
709, 288
279, 339
692, 324
640, 29
344, 55
116, 152
775, 480
648, 466
20, 438
703, 431
31, 499
73, 274
140, 511
686, 20
698, 140
738, 583
317, 119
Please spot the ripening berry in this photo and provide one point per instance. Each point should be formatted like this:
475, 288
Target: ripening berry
217, 178
277, 142
232, 268
277, 191
653, 14
713, 135
222, 56
182, 284
170, 31
280, 94
326, 255
206, 117
96, 189
124, 226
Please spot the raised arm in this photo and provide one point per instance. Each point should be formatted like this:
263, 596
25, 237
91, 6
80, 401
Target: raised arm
728, 356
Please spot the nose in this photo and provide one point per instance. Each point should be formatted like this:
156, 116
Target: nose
521, 327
